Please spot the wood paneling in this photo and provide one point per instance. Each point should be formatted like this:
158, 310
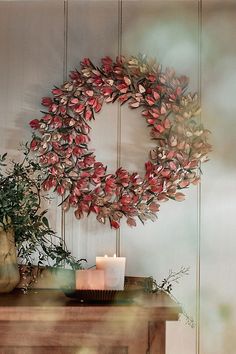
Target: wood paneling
218, 305
31, 62
168, 31
93, 33
31, 38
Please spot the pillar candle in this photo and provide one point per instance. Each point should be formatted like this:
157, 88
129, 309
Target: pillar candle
114, 271
89, 279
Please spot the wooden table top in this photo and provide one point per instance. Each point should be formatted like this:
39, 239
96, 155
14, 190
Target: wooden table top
53, 305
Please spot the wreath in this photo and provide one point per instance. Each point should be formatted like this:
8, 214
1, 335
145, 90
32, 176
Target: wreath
62, 137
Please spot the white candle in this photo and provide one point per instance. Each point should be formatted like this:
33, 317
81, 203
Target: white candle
89, 279
114, 271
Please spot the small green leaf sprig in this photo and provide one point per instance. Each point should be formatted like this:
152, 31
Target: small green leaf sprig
166, 286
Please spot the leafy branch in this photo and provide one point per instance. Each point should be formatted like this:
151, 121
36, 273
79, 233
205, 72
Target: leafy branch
21, 209
166, 286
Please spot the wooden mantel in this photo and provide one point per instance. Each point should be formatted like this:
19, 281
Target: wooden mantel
46, 321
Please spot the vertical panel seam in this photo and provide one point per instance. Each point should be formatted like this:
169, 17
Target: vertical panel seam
118, 161
65, 50
65, 40
198, 256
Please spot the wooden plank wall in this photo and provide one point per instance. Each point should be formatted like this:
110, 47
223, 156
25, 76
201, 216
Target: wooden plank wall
33, 58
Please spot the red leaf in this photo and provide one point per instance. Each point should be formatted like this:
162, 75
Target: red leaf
54, 171
46, 185
85, 62
91, 101
184, 184
106, 91
167, 123
88, 114
89, 160
95, 209
171, 154
145, 113
78, 108
34, 144
107, 61
57, 92
99, 171
125, 199
178, 91
73, 101
179, 197
127, 80
101, 219
123, 88
35, 124
154, 112
115, 224
57, 122
150, 100
98, 107
77, 151
81, 139
88, 198
55, 145
159, 128
163, 109
62, 110
53, 108
162, 197
151, 78
47, 118
84, 174
68, 153
60, 190
52, 158
84, 207
123, 98
173, 166
66, 206
156, 95
151, 121
89, 93
46, 101
154, 207
149, 167
108, 99
74, 75
78, 214
157, 188
165, 173
131, 222
73, 200
96, 179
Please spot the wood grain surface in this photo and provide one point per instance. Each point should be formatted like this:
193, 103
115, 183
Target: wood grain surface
45, 320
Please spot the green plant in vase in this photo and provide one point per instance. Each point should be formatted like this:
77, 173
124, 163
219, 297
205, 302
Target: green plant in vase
24, 228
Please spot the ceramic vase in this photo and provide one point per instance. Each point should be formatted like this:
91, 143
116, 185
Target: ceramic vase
9, 272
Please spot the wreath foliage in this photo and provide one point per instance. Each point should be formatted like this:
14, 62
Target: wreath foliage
71, 168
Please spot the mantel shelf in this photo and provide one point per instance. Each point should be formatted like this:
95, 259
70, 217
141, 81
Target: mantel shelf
53, 321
